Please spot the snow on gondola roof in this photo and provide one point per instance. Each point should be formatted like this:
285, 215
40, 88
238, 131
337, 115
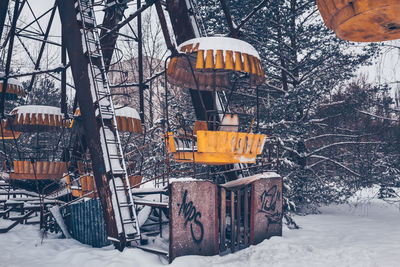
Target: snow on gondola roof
10, 80
221, 43
128, 112
36, 109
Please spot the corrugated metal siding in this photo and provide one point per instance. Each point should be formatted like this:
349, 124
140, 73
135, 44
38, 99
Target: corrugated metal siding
87, 224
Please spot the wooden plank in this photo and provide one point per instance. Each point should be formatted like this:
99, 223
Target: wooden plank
19, 220
248, 180
5, 213
151, 203
223, 219
154, 250
232, 221
246, 216
238, 217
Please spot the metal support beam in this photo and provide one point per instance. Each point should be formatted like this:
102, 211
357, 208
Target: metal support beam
39, 58
184, 30
3, 14
64, 108
164, 27
140, 62
128, 19
180, 20
19, 13
57, 69
79, 67
112, 16
9, 54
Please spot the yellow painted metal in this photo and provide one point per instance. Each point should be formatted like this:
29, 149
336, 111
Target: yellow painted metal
219, 61
130, 125
124, 123
8, 134
229, 60
253, 65
362, 20
199, 62
238, 62
217, 147
44, 170
87, 186
246, 65
209, 59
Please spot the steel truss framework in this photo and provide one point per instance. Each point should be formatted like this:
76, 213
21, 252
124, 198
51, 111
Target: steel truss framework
81, 62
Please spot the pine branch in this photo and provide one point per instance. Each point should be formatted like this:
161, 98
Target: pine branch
376, 116
341, 144
334, 135
333, 161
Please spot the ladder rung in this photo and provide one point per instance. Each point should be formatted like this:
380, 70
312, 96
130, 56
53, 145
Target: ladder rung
112, 142
121, 188
128, 221
104, 107
151, 203
92, 41
125, 205
94, 54
106, 112
115, 156
103, 93
118, 171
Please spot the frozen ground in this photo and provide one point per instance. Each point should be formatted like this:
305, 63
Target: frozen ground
366, 233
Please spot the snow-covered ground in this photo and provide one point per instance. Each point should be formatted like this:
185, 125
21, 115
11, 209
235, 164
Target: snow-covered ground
366, 233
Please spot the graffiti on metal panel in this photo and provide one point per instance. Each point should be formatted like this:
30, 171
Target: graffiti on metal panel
269, 200
192, 216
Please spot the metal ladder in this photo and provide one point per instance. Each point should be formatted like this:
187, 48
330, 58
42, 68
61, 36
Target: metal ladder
122, 200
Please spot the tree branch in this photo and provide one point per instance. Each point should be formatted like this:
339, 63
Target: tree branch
333, 161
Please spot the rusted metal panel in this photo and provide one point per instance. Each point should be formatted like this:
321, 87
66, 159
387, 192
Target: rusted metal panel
113, 14
266, 209
193, 217
86, 223
362, 20
180, 20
